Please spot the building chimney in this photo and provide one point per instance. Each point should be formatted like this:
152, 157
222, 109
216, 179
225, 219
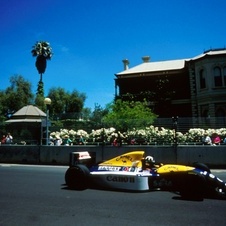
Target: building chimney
126, 64
146, 59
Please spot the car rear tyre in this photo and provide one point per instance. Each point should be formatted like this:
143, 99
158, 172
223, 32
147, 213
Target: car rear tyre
77, 177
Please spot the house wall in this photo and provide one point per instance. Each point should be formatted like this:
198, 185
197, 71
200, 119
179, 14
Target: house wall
211, 98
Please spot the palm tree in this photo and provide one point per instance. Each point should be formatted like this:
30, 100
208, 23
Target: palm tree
43, 52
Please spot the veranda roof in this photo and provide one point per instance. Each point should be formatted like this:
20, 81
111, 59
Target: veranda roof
167, 65
155, 66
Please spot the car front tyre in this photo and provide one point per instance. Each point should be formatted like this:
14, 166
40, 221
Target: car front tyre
194, 187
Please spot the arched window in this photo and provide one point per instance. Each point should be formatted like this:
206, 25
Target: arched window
202, 79
217, 77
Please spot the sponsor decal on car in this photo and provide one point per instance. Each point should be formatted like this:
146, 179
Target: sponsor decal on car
121, 179
162, 183
124, 158
110, 168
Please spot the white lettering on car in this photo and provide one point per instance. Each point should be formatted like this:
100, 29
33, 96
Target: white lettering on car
121, 179
109, 168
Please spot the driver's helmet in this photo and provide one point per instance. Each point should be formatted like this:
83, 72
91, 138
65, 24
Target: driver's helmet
149, 160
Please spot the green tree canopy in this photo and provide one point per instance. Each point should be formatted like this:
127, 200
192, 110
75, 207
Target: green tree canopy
124, 115
76, 101
97, 116
64, 102
16, 96
2, 107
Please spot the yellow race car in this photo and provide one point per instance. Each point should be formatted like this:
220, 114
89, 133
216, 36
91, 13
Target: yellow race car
134, 171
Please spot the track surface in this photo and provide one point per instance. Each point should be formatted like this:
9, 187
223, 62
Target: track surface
36, 195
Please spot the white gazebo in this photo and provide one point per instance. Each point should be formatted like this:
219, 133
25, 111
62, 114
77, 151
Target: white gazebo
29, 116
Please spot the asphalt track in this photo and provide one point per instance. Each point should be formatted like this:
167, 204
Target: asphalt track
36, 195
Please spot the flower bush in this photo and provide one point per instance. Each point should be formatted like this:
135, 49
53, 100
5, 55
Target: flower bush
148, 135
73, 135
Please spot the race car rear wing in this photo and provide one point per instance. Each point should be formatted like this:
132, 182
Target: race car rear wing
82, 157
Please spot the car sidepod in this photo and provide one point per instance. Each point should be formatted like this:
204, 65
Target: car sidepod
122, 180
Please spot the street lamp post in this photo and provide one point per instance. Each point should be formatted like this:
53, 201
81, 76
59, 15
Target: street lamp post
47, 102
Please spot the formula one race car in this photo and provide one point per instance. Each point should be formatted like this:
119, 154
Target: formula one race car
134, 172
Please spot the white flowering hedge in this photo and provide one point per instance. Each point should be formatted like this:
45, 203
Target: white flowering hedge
148, 135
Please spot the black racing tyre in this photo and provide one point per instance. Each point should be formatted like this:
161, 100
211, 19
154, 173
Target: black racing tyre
77, 177
193, 187
201, 166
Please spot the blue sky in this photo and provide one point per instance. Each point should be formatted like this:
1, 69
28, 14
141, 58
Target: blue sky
90, 38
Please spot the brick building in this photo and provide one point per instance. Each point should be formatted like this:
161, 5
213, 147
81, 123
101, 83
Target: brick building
194, 87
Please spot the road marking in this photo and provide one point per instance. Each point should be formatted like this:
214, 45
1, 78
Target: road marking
218, 170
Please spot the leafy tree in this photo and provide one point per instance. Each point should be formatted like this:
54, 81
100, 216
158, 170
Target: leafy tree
59, 98
124, 115
2, 100
97, 116
76, 102
65, 102
39, 102
86, 113
16, 96
43, 52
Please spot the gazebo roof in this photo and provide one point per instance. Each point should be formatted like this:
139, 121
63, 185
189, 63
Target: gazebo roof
28, 113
